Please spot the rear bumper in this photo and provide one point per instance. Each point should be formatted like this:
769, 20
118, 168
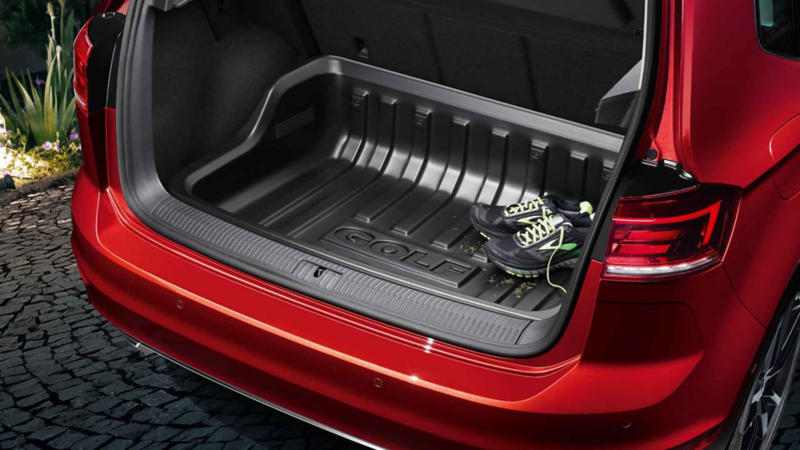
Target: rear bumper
145, 350
326, 364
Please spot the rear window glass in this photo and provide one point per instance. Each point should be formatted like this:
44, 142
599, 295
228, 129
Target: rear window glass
778, 24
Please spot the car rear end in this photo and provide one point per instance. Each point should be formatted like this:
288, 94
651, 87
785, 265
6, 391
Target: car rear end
648, 348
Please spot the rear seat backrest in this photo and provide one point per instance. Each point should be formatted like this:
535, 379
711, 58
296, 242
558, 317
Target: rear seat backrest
493, 48
397, 38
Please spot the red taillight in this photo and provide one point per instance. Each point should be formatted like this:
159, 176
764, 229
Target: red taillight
110, 5
665, 236
82, 49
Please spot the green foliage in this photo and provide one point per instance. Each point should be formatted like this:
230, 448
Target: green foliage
46, 115
22, 21
28, 162
37, 135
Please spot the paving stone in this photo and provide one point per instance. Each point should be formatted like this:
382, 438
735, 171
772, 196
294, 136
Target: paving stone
790, 436
17, 378
156, 380
238, 445
224, 434
104, 404
25, 388
33, 400
70, 393
161, 434
46, 433
208, 446
6, 400
119, 444
191, 418
72, 417
187, 404
123, 410
258, 432
51, 411
10, 362
91, 443
154, 446
55, 378
116, 388
11, 417
12, 443
66, 440
194, 434
154, 415
157, 398
131, 430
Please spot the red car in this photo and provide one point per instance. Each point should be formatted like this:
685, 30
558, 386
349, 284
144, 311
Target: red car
276, 196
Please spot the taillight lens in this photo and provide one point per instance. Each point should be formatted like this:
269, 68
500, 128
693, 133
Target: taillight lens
82, 49
109, 5
665, 236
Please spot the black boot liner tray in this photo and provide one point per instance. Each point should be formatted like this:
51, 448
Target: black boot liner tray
377, 171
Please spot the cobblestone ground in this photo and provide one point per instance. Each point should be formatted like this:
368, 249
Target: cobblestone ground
69, 380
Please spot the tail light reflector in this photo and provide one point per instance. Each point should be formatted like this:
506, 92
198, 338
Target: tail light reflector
81, 51
665, 236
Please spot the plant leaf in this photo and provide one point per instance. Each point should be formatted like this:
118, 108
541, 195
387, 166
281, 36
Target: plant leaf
49, 109
12, 117
69, 38
26, 98
17, 108
34, 92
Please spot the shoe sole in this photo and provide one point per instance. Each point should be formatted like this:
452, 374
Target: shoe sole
523, 273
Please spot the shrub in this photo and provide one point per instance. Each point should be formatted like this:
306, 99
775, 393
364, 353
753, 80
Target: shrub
46, 116
37, 127
26, 162
22, 21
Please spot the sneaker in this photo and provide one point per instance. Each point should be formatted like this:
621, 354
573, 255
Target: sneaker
499, 221
552, 242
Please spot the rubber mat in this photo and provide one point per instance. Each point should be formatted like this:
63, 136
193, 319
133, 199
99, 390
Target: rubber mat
381, 169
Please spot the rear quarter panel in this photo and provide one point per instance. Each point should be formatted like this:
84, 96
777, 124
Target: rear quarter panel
765, 247
733, 96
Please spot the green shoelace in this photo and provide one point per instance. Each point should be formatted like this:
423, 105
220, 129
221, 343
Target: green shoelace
523, 207
539, 230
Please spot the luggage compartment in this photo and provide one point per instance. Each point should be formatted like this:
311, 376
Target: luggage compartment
379, 170
335, 148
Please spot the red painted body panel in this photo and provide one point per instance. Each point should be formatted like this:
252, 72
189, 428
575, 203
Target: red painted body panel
721, 104
733, 96
640, 365
787, 177
764, 250
785, 140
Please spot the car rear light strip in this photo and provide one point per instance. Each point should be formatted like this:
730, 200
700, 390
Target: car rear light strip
660, 237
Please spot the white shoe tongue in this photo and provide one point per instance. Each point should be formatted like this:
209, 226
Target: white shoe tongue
558, 219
